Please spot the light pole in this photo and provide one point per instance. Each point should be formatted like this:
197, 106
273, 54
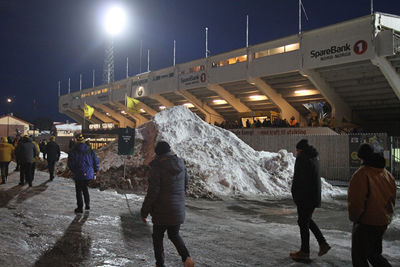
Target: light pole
9, 101
114, 23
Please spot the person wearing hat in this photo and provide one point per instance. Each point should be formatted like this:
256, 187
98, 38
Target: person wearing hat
165, 202
306, 192
53, 155
26, 153
83, 162
370, 202
6, 154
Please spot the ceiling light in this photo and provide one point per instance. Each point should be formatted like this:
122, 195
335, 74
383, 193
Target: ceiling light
123, 111
108, 114
161, 107
258, 97
303, 92
142, 110
189, 105
219, 101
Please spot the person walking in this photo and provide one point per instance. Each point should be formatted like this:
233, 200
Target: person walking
35, 159
26, 152
371, 199
165, 202
6, 155
83, 162
52, 156
306, 192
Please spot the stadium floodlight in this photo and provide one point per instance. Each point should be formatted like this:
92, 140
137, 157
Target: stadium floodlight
115, 20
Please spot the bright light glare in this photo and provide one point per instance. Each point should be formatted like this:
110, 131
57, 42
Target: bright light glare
257, 97
188, 105
115, 20
9, 100
219, 101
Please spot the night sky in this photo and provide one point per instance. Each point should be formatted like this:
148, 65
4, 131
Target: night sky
46, 41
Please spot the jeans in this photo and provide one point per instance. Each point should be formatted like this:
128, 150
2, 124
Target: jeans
173, 235
4, 170
81, 187
51, 164
366, 245
306, 224
25, 173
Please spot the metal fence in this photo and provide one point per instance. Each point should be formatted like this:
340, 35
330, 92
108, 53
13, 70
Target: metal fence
395, 157
334, 150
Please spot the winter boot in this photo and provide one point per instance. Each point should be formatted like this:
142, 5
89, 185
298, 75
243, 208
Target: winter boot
188, 262
323, 249
78, 210
3, 180
300, 255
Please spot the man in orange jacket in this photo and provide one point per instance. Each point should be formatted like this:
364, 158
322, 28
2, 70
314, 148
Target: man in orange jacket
6, 154
371, 199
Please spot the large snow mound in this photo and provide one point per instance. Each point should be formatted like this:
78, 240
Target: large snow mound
217, 159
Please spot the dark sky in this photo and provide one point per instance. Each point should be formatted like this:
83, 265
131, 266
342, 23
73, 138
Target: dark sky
46, 41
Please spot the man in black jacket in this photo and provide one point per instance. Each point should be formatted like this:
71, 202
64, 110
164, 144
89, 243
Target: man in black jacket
165, 201
53, 155
306, 192
26, 152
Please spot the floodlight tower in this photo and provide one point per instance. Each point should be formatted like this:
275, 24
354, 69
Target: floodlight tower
114, 23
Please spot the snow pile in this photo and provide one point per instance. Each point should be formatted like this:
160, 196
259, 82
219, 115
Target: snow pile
217, 160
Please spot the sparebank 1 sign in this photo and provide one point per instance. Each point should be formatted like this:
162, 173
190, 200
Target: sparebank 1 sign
340, 52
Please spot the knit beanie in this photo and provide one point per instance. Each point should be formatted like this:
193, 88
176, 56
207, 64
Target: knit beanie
162, 147
302, 144
365, 151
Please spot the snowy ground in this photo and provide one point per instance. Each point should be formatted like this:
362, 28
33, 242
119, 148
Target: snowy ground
39, 228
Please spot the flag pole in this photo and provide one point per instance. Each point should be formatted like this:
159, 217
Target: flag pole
127, 67
206, 42
93, 77
174, 51
247, 30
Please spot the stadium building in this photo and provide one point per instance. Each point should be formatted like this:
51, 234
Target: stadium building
352, 67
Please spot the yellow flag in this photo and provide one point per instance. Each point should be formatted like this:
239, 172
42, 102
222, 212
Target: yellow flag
132, 105
88, 111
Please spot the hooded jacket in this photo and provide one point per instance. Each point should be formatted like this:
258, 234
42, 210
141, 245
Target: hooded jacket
372, 193
6, 150
165, 199
26, 151
306, 186
53, 151
83, 162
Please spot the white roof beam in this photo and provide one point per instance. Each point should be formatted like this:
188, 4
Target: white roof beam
287, 110
139, 119
339, 108
211, 115
122, 120
389, 72
228, 97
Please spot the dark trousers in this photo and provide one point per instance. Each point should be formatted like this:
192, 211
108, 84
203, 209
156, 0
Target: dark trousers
33, 170
366, 245
81, 187
306, 224
51, 164
173, 235
25, 173
4, 170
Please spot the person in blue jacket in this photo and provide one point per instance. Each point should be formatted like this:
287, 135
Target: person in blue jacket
83, 162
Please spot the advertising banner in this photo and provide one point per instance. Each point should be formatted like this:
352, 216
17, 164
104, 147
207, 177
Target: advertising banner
126, 141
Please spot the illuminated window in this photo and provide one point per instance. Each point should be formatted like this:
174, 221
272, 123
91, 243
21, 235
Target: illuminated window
196, 68
277, 50
292, 47
229, 61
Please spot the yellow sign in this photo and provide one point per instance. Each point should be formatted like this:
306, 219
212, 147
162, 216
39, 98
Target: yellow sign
88, 111
132, 105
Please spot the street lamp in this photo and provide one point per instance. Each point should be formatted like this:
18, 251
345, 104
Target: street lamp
9, 101
114, 23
